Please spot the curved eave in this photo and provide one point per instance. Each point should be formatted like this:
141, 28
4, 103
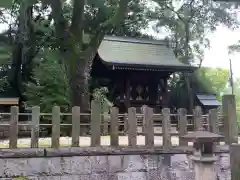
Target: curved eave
140, 67
139, 54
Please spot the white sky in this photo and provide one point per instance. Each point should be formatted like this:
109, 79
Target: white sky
217, 55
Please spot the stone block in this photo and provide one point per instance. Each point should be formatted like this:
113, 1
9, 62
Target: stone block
99, 164
99, 176
132, 176
32, 178
153, 175
66, 165
138, 176
15, 167
49, 178
2, 164
133, 163
123, 176
81, 165
44, 166
115, 164
74, 177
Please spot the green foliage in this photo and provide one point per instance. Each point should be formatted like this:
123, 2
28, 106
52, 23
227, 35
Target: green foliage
213, 80
100, 94
50, 86
234, 48
228, 90
21, 178
5, 56
205, 80
189, 21
6, 3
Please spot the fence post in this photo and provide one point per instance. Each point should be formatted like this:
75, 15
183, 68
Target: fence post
105, 123
75, 126
114, 127
13, 131
235, 161
132, 127
197, 120
148, 126
182, 125
125, 123
230, 118
95, 123
35, 126
56, 126
166, 128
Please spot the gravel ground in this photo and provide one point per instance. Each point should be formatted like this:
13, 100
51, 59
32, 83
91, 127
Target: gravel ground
86, 141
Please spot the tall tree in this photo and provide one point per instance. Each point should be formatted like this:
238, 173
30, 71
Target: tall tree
78, 39
188, 22
23, 38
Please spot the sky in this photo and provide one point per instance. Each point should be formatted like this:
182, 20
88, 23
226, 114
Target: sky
217, 54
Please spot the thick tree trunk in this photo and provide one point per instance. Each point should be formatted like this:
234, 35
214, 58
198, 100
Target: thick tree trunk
187, 76
23, 50
79, 92
79, 87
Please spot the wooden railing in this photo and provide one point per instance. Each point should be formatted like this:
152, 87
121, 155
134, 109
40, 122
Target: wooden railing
109, 125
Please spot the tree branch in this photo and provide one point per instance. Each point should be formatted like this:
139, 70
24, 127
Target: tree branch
96, 40
114, 21
200, 64
178, 15
59, 21
76, 28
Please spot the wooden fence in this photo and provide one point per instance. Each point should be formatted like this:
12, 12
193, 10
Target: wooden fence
110, 125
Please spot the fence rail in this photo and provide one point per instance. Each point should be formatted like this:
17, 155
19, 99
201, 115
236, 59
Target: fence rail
109, 125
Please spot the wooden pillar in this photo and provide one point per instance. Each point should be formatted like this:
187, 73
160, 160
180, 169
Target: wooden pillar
165, 85
230, 118
127, 93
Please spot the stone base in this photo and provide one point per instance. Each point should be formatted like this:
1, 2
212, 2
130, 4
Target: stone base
204, 159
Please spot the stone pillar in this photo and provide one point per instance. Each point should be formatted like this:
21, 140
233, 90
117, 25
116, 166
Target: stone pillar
204, 168
203, 153
230, 118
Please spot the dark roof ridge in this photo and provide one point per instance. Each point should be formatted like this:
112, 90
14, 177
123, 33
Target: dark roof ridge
135, 40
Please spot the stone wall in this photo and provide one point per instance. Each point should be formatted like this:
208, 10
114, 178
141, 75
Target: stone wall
118, 167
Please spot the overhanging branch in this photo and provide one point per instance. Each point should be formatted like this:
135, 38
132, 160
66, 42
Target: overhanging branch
108, 24
76, 28
59, 21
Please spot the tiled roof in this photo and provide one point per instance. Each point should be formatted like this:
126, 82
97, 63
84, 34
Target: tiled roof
141, 53
208, 100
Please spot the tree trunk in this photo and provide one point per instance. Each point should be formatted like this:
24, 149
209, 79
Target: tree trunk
79, 86
187, 76
79, 92
23, 50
